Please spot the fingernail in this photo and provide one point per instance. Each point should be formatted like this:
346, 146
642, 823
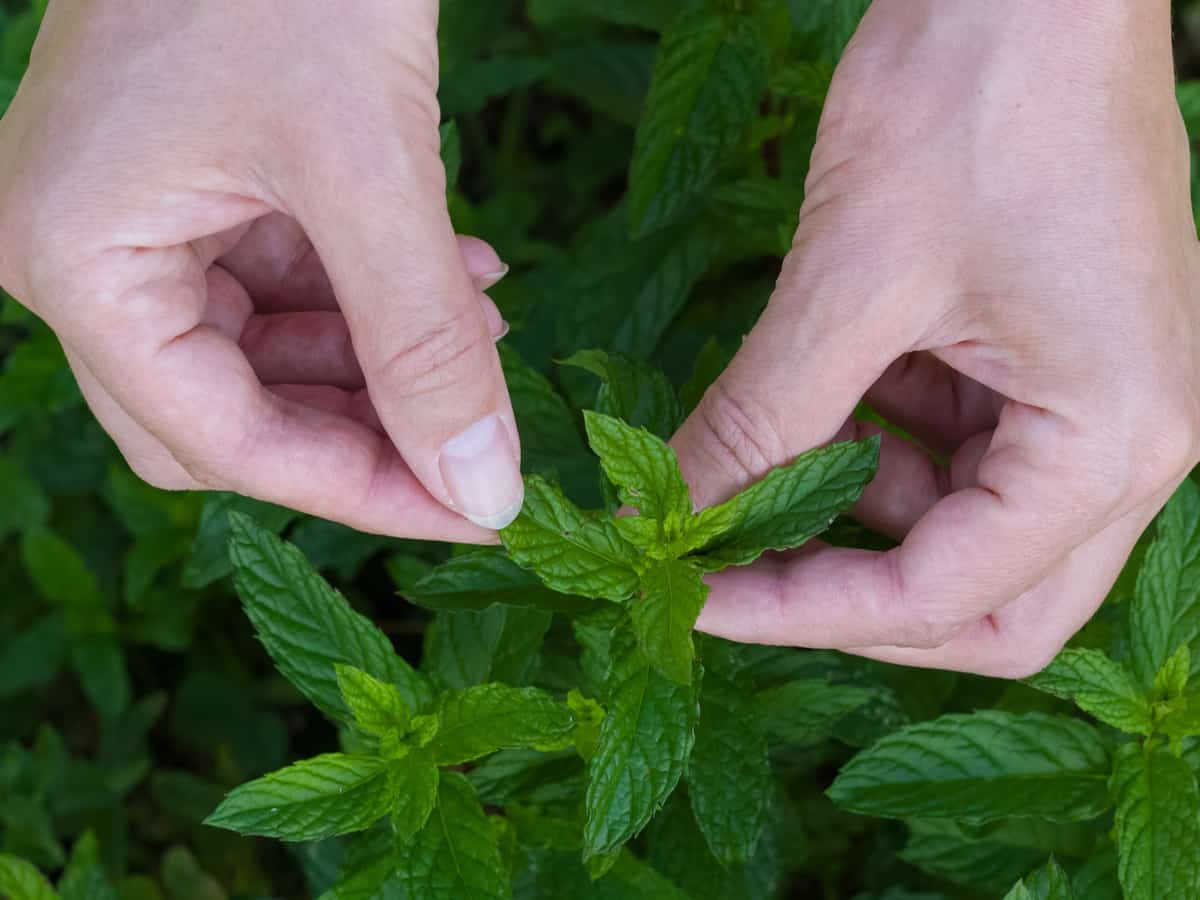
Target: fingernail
492, 278
481, 473
497, 326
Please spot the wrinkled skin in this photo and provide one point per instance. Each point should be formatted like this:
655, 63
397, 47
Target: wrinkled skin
239, 232
996, 250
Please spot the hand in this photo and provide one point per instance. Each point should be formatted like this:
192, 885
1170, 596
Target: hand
233, 215
997, 250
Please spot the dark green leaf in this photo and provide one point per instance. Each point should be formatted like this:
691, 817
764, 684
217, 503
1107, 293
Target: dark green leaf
632, 391
478, 579
805, 711
664, 615
308, 627
467, 647
32, 657
210, 560
1158, 830
1048, 883
710, 72
84, 878
981, 767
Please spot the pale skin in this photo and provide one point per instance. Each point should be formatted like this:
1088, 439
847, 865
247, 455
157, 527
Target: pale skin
253, 273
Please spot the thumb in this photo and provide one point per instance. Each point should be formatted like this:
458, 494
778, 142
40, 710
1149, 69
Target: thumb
419, 325
793, 385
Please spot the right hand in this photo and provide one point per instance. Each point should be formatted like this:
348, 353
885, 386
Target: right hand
234, 218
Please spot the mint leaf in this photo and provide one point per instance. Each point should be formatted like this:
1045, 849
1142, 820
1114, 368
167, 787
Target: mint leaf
307, 626
643, 747
59, 572
664, 615
981, 767
711, 70
1158, 830
571, 552
469, 647
20, 880
1166, 607
451, 153
377, 707
1099, 686
413, 781
805, 711
478, 579
947, 850
1172, 679
100, 663
32, 657
643, 468
311, 800
632, 391
85, 878
481, 720
210, 560
1049, 883
789, 507
729, 774
455, 856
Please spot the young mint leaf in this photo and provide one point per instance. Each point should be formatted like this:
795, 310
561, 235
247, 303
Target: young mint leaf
805, 711
1166, 608
632, 391
1049, 883
413, 781
307, 626
711, 70
664, 615
481, 578
1099, 686
643, 468
1171, 680
377, 707
481, 720
1179, 718
805, 81
571, 552
644, 745
456, 855
1158, 831
789, 507
311, 800
20, 880
85, 878
729, 774
981, 767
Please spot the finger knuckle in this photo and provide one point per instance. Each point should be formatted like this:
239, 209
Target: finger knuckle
739, 433
437, 357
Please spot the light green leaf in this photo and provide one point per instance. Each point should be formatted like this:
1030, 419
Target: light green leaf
632, 391
729, 774
1049, 883
806, 81
377, 706
311, 800
1171, 680
478, 579
1188, 94
644, 745
307, 626
1158, 830
1099, 686
468, 647
414, 784
711, 71
572, 552
1179, 718
1166, 608
643, 468
85, 878
481, 720
20, 880
664, 615
981, 767
805, 711
789, 507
